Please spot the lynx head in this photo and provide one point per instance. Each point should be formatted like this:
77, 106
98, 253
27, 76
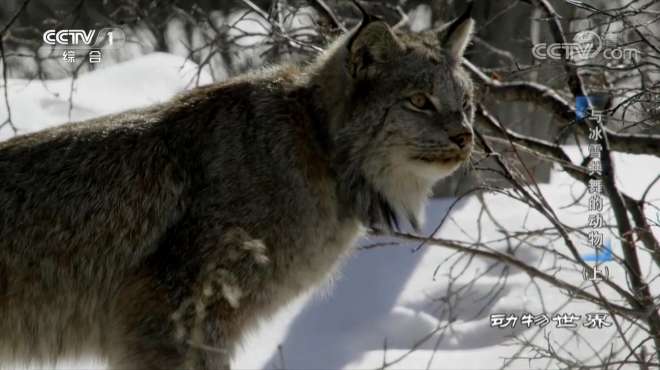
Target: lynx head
401, 115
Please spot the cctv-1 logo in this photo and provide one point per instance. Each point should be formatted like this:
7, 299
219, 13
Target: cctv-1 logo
110, 37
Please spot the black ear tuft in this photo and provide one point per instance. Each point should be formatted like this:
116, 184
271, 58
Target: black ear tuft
366, 17
458, 34
467, 14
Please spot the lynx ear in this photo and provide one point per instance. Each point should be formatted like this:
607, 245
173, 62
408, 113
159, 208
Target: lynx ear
371, 44
459, 34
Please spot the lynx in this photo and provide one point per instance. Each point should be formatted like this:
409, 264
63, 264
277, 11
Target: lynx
155, 238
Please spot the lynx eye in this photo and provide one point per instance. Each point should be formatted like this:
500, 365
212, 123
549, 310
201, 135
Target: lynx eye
420, 101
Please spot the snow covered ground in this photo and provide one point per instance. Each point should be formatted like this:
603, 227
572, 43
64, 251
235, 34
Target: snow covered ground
388, 298
152, 78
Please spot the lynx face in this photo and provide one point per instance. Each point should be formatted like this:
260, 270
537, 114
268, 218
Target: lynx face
427, 120
413, 109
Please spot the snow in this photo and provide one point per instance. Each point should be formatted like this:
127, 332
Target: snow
420, 18
387, 298
150, 79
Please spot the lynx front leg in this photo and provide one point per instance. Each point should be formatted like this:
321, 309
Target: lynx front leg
155, 335
143, 335
194, 323
210, 319
202, 320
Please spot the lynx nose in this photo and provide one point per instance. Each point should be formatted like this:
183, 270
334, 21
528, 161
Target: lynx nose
461, 139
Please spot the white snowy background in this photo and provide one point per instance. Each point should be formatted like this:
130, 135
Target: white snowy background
387, 299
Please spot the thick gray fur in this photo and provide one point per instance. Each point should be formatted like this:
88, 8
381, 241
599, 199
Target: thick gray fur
156, 238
